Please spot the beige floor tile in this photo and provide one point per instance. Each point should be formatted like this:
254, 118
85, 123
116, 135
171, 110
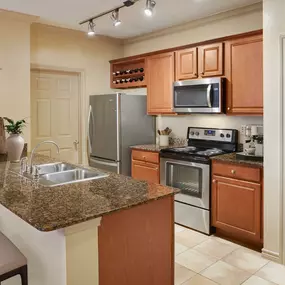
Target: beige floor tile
221, 240
200, 280
255, 280
190, 238
273, 272
179, 229
182, 274
215, 248
179, 248
246, 259
194, 260
225, 274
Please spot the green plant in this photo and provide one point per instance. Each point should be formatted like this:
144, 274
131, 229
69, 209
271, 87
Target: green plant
13, 127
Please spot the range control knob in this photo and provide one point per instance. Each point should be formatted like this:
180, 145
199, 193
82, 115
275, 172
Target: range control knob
222, 135
197, 133
228, 136
192, 133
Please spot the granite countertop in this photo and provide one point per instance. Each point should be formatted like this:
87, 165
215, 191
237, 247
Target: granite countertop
155, 147
48, 209
231, 158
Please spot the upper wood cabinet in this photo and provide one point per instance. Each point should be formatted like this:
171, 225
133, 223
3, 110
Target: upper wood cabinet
202, 61
244, 72
160, 78
186, 62
211, 60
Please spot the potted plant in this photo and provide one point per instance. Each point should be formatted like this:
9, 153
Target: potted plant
15, 142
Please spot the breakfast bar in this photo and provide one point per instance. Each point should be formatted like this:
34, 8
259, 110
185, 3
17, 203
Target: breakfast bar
113, 230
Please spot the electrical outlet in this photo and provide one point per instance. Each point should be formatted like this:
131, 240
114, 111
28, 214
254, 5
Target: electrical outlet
242, 129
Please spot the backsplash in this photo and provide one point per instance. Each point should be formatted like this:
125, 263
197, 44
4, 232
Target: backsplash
179, 124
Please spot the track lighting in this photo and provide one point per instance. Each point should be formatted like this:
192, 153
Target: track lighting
91, 28
115, 18
150, 4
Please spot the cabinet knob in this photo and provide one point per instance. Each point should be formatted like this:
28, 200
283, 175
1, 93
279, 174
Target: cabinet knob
202, 73
214, 180
156, 168
229, 108
233, 171
195, 74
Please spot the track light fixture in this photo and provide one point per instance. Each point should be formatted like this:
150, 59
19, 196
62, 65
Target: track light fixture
115, 18
91, 28
150, 4
149, 9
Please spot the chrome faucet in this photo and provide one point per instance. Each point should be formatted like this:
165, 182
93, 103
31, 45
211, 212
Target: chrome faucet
30, 167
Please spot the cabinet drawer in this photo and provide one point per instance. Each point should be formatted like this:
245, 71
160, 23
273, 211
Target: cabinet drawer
147, 156
145, 171
237, 171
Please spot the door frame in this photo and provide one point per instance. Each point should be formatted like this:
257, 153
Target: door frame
82, 113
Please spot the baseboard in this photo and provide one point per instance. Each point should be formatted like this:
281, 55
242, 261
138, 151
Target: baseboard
271, 255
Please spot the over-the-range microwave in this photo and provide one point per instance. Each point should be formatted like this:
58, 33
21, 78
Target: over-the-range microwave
198, 95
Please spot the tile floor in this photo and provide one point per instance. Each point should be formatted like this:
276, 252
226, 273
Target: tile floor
203, 260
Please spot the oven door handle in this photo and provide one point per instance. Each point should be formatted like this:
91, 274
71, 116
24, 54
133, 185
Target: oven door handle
209, 95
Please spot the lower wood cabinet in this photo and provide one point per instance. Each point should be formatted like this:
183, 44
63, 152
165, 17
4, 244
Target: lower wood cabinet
237, 203
145, 166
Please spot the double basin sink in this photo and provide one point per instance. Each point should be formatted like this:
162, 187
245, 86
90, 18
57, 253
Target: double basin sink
56, 174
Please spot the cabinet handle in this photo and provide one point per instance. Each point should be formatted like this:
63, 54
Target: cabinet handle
233, 171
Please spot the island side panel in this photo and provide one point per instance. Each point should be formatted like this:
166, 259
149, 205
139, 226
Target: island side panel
136, 246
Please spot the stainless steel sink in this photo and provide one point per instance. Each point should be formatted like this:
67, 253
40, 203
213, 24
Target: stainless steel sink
70, 176
54, 167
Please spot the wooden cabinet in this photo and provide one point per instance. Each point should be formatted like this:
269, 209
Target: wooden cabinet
237, 202
203, 61
145, 166
160, 78
186, 62
244, 72
211, 60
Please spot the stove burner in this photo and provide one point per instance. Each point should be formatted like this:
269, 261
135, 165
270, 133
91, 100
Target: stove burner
209, 152
185, 149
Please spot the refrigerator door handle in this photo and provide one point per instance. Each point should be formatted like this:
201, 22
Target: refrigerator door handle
89, 136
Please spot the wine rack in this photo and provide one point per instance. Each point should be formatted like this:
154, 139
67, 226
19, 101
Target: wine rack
128, 74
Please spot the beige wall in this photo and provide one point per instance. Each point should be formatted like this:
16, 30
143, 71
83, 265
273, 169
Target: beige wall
229, 23
224, 24
274, 94
15, 73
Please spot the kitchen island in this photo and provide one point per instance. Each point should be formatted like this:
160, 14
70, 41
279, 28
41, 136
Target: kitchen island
113, 230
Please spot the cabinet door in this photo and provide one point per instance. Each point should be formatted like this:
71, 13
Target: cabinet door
186, 64
160, 78
145, 171
244, 71
211, 61
236, 207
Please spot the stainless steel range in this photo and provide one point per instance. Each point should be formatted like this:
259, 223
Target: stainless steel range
188, 168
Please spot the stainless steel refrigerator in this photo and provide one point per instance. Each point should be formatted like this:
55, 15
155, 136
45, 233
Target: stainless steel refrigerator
117, 121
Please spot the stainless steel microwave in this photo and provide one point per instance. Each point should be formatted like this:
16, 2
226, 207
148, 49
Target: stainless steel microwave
198, 96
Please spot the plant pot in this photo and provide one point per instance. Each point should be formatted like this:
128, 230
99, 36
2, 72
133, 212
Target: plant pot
15, 145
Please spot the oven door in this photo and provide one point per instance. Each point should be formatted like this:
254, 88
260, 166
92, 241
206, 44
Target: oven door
193, 179
198, 96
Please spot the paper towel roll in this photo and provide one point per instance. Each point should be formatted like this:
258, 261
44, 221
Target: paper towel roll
254, 131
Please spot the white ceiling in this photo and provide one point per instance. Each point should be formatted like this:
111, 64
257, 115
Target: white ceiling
69, 13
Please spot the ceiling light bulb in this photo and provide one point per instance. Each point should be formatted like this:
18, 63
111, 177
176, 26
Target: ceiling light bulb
91, 28
115, 18
150, 4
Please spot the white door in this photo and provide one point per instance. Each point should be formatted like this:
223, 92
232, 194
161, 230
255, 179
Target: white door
55, 113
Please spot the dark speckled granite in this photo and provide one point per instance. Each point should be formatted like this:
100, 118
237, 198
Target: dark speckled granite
154, 147
231, 158
49, 209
